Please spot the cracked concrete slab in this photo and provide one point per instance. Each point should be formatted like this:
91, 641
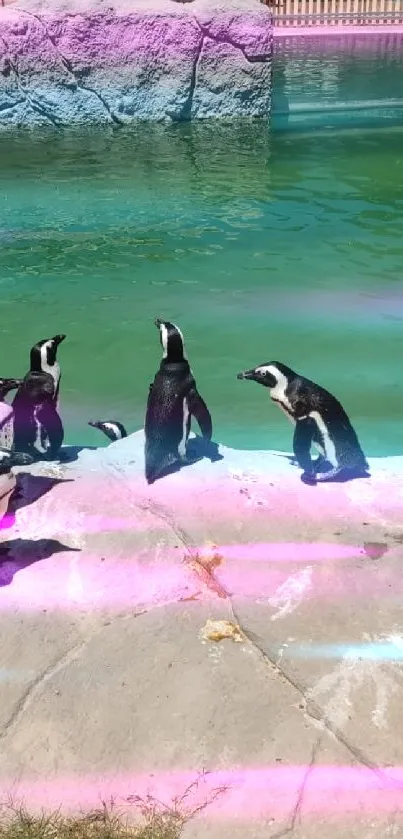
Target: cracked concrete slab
64, 63
113, 684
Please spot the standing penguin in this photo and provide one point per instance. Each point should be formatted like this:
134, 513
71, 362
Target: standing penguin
318, 418
172, 400
38, 429
113, 429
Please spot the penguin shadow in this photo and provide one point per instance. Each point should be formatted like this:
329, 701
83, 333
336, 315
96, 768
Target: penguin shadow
69, 454
197, 449
290, 457
29, 488
17, 554
341, 478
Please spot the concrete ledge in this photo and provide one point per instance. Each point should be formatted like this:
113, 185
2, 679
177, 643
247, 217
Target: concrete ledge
113, 685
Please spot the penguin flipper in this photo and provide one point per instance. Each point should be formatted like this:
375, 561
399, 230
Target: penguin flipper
49, 418
198, 409
303, 435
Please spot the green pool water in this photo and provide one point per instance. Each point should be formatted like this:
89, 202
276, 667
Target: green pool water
260, 246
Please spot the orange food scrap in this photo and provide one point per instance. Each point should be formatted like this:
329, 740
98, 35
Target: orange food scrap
219, 630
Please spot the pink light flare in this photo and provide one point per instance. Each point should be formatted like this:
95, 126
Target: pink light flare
158, 577
287, 552
248, 793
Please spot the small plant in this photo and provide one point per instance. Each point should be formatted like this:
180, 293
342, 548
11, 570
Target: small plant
156, 820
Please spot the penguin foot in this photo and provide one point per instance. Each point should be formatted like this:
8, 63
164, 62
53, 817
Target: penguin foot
309, 478
199, 447
21, 459
342, 475
321, 465
332, 475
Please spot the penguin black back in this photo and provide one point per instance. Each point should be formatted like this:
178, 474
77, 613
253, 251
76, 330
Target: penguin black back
38, 429
319, 418
172, 399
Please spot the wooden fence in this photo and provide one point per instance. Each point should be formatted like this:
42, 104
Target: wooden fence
328, 12
336, 12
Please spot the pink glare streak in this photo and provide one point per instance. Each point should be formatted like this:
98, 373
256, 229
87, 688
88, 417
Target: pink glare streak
332, 32
252, 792
81, 580
90, 524
287, 552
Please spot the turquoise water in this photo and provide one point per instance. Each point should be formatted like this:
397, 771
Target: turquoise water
260, 246
322, 80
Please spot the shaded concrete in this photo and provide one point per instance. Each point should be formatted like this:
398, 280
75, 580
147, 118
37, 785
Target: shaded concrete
112, 684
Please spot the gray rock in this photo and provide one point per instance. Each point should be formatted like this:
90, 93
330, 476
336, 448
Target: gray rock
112, 684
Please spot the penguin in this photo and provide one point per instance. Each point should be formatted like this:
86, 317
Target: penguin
319, 419
113, 429
38, 429
6, 385
8, 459
172, 401
7, 428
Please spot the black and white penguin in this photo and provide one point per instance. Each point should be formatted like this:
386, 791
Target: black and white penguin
6, 385
113, 429
172, 401
319, 419
8, 459
7, 428
38, 429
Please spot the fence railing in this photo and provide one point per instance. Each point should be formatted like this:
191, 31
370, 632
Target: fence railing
328, 12
336, 12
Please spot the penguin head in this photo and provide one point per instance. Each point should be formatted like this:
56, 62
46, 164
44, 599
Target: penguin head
172, 342
43, 354
113, 429
269, 374
8, 384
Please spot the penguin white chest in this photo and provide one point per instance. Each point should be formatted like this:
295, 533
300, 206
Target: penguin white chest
277, 394
42, 442
54, 371
185, 422
329, 448
285, 412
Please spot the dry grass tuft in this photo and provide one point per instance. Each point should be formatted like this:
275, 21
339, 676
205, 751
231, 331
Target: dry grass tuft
105, 823
155, 820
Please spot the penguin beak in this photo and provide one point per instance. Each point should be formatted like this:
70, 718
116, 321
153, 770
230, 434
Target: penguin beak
158, 322
94, 424
247, 374
58, 339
